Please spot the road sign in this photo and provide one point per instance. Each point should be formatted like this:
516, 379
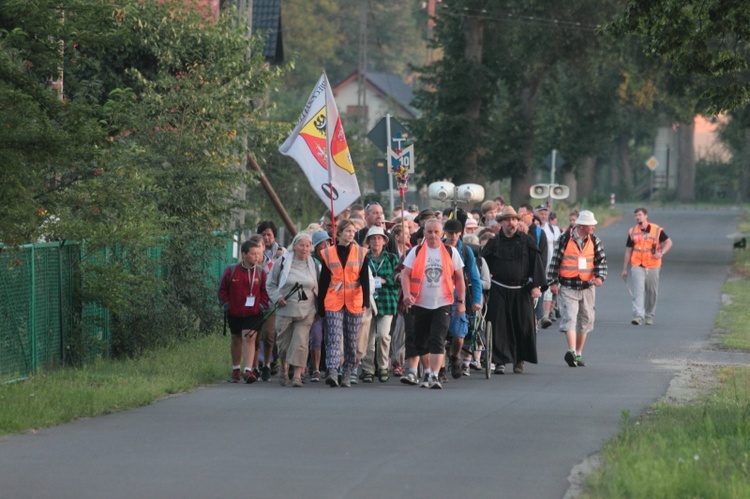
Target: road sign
378, 134
403, 158
652, 163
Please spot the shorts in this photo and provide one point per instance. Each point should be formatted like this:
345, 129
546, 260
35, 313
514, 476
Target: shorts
239, 324
577, 309
429, 331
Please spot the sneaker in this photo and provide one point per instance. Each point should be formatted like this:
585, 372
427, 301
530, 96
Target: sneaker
283, 377
442, 376
426, 381
570, 358
518, 368
235, 376
552, 317
265, 373
346, 378
435, 383
332, 378
636, 321
383, 375
500, 369
353, 379
275, 366
367, 377
579, 361
465, 370
476, 366
545, 322
256, 371
409, 379
455, 367
649, 321
315, 377
297, 382
249, 377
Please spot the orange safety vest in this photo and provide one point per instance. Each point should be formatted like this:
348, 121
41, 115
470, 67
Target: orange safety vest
569, 264
645, 245
345, 288
418, 272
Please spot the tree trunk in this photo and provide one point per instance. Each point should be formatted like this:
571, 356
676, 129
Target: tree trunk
586, 173
569, 179
623, 147
742, 192
519, 187
686, 167
474, 40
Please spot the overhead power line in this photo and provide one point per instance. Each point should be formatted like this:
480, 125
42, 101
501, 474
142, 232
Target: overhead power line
519, 18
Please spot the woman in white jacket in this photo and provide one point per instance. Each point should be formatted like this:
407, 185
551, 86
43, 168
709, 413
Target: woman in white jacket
295, 315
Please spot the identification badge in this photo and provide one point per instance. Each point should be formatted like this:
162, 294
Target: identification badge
250, 301
582, 263
378, 283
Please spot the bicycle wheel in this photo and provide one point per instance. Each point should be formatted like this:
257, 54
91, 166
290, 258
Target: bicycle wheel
488, 349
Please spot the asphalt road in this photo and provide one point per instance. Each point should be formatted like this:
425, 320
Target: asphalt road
513, 436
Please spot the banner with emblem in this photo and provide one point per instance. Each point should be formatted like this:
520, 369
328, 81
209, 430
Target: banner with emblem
318, 141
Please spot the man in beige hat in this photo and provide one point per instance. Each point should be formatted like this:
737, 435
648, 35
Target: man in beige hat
578, 267
517, 270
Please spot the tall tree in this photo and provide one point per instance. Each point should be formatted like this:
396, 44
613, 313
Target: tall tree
706, 38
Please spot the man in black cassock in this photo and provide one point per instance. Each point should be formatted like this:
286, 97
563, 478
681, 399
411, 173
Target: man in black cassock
518, 277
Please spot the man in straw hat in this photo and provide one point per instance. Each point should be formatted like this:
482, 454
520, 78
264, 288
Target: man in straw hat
578, 267
517, 270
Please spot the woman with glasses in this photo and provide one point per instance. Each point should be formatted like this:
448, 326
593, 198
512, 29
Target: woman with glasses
344, 284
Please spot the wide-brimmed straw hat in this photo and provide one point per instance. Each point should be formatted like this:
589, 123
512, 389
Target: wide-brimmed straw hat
508, 212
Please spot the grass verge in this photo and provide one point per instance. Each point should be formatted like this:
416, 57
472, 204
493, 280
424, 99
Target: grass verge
63, 395
695, 450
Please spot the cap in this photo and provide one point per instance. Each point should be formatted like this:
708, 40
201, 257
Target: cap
586, 218
426, 213
375, 231
541, 207
319, 236
453, 225
471, 222
413, 207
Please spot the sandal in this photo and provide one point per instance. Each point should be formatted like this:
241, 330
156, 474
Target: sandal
297, 382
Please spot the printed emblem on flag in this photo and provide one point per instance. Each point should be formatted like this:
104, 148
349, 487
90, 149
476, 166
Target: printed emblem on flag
314, 135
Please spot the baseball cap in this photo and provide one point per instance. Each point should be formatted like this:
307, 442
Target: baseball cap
471, 222
453, 225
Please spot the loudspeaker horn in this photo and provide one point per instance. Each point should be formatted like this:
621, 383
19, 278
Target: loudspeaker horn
539, 191
559, 192
470, 193
441, 191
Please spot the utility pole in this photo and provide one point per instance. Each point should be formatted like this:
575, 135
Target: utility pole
362, 113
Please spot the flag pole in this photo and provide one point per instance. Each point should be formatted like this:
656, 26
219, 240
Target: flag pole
329, 162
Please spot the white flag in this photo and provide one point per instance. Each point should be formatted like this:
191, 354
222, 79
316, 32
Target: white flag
318, 141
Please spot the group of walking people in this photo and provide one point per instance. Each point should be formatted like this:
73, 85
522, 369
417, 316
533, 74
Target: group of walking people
358, 299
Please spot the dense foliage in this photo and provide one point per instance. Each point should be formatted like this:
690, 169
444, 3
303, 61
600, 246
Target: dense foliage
139, 146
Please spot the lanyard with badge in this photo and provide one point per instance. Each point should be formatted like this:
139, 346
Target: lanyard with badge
250, 300
377, 283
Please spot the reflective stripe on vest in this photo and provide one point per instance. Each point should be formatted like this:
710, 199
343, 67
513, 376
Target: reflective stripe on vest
345, 289
569, 263
645, 245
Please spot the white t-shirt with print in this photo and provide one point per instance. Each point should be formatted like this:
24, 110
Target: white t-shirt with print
432, 295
